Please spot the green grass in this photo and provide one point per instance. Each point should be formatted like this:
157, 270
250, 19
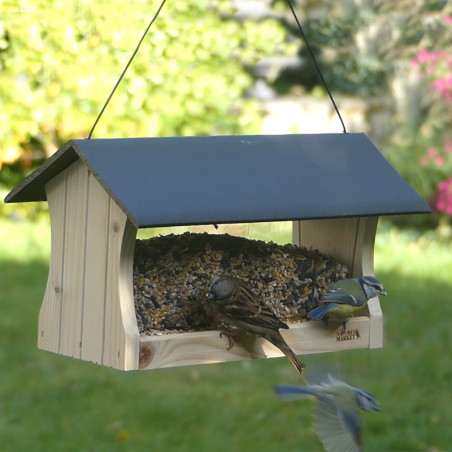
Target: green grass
52, 403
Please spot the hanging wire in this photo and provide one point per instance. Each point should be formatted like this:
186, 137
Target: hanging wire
316, 65
154, 19
125, 70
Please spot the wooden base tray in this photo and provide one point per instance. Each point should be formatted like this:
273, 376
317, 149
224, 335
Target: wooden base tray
206, 347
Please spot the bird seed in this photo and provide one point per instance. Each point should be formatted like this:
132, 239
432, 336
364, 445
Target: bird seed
172, 274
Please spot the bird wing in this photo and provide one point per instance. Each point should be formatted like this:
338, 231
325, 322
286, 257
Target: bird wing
248, 309
294, 392
338, 430
339, 296
320, 312
346, 291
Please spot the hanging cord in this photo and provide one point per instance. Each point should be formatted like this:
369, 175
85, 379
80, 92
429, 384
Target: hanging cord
317, 65
125, 70
154, 19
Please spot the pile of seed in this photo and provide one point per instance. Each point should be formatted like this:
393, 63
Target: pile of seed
172, 274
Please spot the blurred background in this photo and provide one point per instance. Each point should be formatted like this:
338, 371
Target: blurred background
215, 68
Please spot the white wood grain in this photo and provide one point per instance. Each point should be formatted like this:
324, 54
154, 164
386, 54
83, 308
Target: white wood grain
49, 322
95, 272
121, 342
335, 237
74, 258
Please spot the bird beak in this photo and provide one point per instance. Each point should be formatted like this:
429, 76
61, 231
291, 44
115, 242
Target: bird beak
208, 298
383, 292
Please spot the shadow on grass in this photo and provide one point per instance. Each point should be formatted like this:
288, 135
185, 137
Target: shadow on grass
53, 403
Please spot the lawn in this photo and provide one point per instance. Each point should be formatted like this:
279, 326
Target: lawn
52, 403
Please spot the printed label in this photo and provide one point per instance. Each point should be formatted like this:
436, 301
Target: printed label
347, 335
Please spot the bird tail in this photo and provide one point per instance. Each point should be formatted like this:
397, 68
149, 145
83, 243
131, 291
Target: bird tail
278, 341
295, 360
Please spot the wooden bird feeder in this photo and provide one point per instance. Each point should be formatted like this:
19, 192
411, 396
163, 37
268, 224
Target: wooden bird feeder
100, 192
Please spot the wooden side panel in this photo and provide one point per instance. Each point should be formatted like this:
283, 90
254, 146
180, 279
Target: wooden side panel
121, 345
88, 310
73, 260
350, 240
49, 324
208, 347
95, 272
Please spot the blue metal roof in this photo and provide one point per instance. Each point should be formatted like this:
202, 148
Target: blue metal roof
231, 179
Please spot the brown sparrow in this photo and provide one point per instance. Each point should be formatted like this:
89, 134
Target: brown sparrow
236, 304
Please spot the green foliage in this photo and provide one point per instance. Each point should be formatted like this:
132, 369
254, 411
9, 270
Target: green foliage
60, 60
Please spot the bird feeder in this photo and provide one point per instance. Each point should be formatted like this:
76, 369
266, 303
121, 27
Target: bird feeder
333, 187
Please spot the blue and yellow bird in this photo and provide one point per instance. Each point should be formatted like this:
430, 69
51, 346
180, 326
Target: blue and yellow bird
345, 297
336, 418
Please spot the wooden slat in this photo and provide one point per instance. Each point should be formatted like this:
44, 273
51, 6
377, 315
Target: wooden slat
95, 265
376, 324
114, 333
126, 298
74, 258
364, 248
206, 347
121, 344
50, 314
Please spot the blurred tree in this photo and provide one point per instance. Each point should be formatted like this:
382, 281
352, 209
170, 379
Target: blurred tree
59, 61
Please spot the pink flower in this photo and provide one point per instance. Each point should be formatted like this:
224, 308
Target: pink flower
423, 56
448, 19
448, 145
432, 152
423, 161
443, 198
440, 160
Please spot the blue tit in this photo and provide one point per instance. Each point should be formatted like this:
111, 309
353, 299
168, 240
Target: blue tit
345, 297
336, 418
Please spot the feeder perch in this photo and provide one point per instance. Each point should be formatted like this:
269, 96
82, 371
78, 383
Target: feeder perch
100, 192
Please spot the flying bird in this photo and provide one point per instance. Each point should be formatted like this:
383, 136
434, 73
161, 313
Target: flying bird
237, 305
336, 419
345, 297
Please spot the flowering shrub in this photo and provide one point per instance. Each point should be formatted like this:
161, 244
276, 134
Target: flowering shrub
443, 198
438, 160
436, 67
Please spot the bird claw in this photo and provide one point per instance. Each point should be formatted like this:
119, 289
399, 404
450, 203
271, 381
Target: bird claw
230, 336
